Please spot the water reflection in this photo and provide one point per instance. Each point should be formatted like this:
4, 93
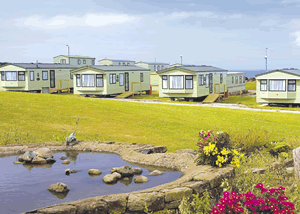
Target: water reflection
126, 181
59, 195
72, 156
30, 166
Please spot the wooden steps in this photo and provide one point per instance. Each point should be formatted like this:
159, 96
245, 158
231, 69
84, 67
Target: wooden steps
211, 98
124, 95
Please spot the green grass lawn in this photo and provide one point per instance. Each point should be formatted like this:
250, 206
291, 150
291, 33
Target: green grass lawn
27, 117
250, 85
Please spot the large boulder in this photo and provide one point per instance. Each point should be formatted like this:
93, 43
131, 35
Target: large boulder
59, 187
137, 171
288, 163
140, 179
27, 156
38, 160
125, 171
43, 153
111, 178
94, 172
155, 173
66, 162
50, 160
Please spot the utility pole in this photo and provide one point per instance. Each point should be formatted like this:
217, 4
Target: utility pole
68, 50
181, 59
266, 57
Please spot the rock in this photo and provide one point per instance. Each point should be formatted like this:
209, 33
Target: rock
275, 165
94, 172
288, 163
75, 171
186, 151
70, 139
137, 171
257, 171
50, 160
67, 172
111, 178
66, 162
177, 193
63, 157
140, 179
147, 151
59, 187
126, 179
296, 157
43, 153
38, 160
290, 170
27, 156
160, 149
155, 173
125, 171
136, 201
18, 162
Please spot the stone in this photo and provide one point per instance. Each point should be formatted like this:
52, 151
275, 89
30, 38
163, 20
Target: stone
94, 172
186, 151
27, 156
59, 187
116, 203
38, 160
50, 160
58, 209
18, 162
147, 151
66, 162
70, 139
140, 179
155, 173
198, 187
258, 170
136, 201
137, 171
160, 149
43, 153
63, 157
296, 157
177, 193
118, 175
290, 170
125, 171
90, 205
275, 165
111, 178
288, 163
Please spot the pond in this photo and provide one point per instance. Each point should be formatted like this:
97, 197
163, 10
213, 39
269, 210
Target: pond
24, 187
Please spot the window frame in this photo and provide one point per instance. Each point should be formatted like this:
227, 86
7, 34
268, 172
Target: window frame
189, 80
176, 76
11, 72
232, 79
21, 75
141, 77
43, 75
164, 78
93, 62
78, 61
71, 75
88, 75
292, 84
240, 80
31, 72
78, 77
206, 80
2, 75
120, 79
236, 80
277, 80
111, 80
63, 61
99, 76
83, 61
201, 83
260, 82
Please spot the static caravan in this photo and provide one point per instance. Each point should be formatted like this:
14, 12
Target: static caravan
235, 82
153, 66
74, 60
278, 86
41, 77
191, 81
116, 62
110, 80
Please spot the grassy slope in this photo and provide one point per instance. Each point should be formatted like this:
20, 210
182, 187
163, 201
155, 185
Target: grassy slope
44, 117
250, 86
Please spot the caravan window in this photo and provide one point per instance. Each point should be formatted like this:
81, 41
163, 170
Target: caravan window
78, 81
207, 80
21, 75
244, 79
240, 79
263, 85
236, 80
45, 75
88, 80
142, 77
176, 82
291, 85
201, 81
277, 85
11, 75
112, 79
221, 78
188, 82
2, 76
31, 75
233, 79
71, 75
99, 80
121, 79
164, 81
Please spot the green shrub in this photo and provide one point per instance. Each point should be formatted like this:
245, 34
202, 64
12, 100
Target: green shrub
275, 148
198, 205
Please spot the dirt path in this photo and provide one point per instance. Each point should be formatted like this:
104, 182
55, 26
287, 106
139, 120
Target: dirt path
216, 105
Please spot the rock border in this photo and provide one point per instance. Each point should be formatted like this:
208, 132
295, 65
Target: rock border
194, 179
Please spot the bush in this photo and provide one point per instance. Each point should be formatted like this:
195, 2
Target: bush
275, 148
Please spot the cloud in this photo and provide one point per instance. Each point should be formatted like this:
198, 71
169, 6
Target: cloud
269, 23
297, 35
63, 21
290, 1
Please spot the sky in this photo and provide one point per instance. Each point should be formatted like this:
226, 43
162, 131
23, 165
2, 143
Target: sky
232, 35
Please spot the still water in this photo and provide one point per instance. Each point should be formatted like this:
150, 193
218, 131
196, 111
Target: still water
24, 187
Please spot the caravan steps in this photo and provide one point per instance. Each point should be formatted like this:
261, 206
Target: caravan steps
211, 98
124, 95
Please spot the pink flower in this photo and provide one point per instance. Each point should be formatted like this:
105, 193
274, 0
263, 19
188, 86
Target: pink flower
215, 137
